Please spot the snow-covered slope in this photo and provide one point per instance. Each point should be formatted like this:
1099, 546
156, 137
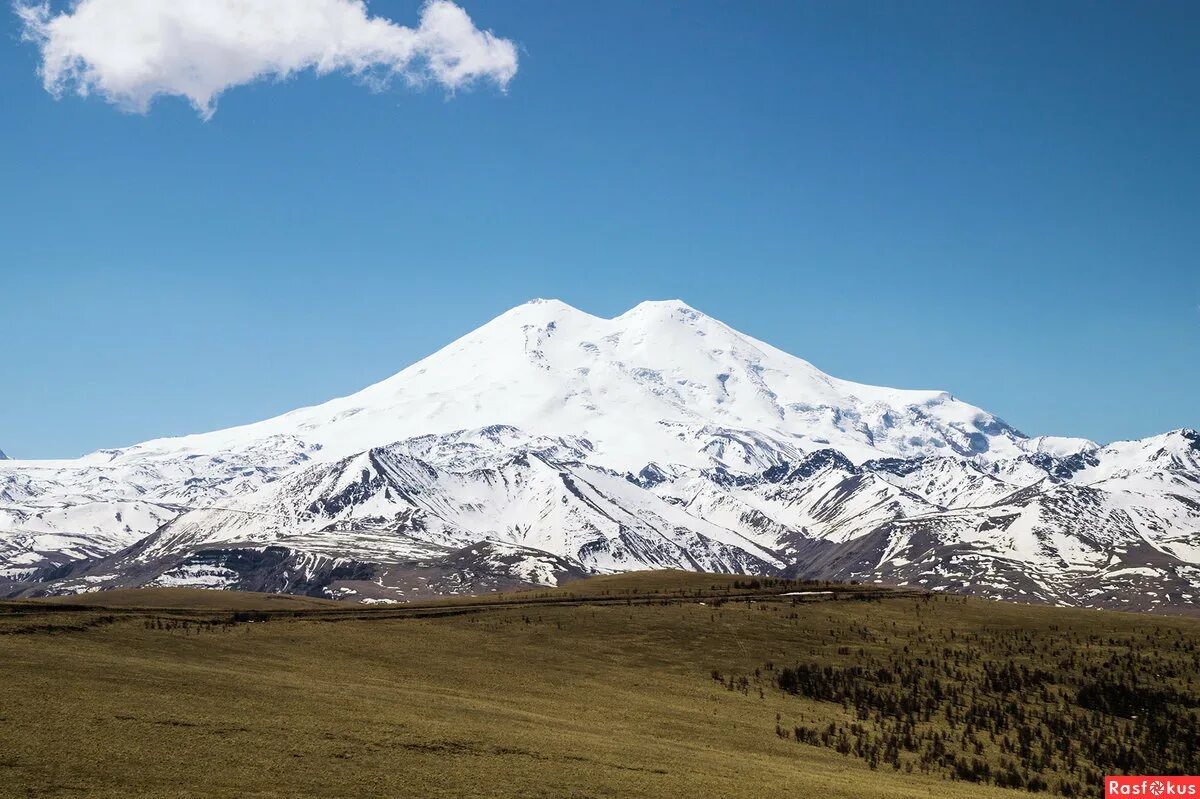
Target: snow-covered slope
550, 442
662, 382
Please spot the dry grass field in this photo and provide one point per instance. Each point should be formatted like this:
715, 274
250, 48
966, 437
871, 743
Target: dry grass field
606, 688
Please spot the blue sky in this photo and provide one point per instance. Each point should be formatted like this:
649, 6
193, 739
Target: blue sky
997, 199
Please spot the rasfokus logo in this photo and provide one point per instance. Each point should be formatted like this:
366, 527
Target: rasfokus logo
1151, 786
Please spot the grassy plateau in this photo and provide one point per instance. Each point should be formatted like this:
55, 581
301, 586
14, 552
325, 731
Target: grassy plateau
658, 684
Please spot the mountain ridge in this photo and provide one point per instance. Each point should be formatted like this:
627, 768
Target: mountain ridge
658, 438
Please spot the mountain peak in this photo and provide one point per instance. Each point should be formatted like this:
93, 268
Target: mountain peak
649, 316
662, 305
677, 309
550, 307
544, 307
539, 312
549, 302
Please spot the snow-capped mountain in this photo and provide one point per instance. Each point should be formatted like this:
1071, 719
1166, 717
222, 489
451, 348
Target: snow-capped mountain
549, 443
662, 382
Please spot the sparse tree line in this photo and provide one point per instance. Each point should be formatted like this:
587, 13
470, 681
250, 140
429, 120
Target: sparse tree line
771, 583
199, 626
188, 626
1046, 710
39, 628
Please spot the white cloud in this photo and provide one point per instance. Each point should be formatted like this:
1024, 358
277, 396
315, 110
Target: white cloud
132, 51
